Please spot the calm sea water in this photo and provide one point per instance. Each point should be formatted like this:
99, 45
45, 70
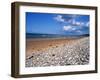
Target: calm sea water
30, 35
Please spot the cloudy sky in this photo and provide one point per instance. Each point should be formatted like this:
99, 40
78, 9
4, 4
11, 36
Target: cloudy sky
47, 23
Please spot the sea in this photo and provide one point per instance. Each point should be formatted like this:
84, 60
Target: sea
53, 36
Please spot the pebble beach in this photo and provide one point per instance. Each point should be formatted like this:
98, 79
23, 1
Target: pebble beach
64, 53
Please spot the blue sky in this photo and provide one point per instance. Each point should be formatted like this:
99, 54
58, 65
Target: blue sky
47, 23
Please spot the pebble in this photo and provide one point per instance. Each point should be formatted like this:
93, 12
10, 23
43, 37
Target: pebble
67, 54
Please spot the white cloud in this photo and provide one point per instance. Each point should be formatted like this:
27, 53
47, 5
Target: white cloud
73, 21
69, 28
82, 23
87, 24
59, 18
66, 28
77, 23
79, 31
73, 29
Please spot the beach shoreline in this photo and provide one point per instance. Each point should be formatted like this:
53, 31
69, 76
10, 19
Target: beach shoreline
38, 44
55, 52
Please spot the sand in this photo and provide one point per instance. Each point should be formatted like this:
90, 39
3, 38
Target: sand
33, 45
57, 52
